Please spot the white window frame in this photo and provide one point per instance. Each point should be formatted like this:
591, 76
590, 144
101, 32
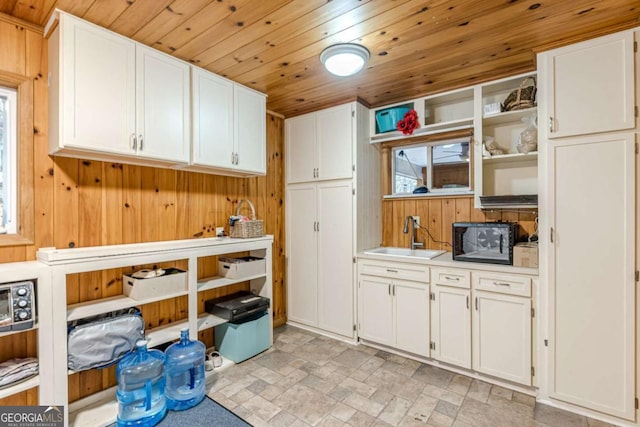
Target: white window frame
433, 191
10, 163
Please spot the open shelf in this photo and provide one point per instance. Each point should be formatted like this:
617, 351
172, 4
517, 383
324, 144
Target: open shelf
217, 282
463, 123
105, 305
101, 409
171, 332
515, 157
508, 116
19, 387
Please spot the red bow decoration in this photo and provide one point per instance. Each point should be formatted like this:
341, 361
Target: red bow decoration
409, 123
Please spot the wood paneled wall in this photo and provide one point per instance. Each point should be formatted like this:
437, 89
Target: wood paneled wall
437, 214
81, 203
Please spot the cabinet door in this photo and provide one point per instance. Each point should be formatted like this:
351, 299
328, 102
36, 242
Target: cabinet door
300, 139
302, 264
376, 321
335, 257
591, 86
591, 272
163, 106
502, 336
451, 326
335, 142
411, 307
250, 130
212, 120
97, 83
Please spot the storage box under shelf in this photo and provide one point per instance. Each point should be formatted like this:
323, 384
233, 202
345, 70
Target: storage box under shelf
240, 341
235, 268
173, 281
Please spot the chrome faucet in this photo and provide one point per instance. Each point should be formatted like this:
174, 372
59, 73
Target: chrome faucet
405, 230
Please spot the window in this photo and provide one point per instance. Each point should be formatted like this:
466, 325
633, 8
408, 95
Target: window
442, 167
8, 162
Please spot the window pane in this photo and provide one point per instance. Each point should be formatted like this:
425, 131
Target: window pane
410, 169
8, 162
450, 165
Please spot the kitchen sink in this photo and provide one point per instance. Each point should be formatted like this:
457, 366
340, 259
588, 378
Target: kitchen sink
405, 252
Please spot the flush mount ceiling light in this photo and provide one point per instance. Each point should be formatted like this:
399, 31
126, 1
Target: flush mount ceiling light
344, 59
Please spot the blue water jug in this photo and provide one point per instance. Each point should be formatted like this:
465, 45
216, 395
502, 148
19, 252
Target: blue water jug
140, 393
184, 372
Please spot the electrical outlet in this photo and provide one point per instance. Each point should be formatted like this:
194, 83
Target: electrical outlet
416, 219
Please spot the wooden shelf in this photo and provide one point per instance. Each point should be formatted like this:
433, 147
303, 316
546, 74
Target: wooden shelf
101, 409
508, 116
164, 334
106, 305
217, 282
6, 333
19, 387
514, 157
453, 125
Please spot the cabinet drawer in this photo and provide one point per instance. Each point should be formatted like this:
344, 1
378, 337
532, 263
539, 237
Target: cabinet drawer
452, 277
502, 283
395, 270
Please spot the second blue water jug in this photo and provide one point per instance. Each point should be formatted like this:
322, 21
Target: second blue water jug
184, 372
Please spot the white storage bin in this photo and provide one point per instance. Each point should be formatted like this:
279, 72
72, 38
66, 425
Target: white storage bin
235, 268
173, 281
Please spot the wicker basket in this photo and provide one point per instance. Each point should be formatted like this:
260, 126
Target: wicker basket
521, 98
247, 229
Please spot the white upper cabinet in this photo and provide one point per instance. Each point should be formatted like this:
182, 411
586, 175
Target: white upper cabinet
212, 120
229, 127
92, 89
320, 145
163, 110
250, 115
334, 143
114, 99
300, 138
590, 87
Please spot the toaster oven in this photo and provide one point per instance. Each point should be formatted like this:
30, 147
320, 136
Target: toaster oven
17, 306
488, 242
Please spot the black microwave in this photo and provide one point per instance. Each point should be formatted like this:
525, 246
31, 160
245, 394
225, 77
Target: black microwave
490, 242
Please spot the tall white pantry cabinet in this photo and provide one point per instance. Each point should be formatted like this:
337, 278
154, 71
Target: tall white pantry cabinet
333, 205
589, 233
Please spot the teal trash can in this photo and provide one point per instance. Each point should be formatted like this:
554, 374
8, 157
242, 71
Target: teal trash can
241, 340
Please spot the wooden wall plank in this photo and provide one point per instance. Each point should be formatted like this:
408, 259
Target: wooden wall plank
13, 52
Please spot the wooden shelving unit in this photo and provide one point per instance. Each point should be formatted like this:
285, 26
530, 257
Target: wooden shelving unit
56, 264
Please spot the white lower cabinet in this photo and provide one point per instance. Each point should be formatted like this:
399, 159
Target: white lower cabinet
451, 325
502, 327
376, 315
474, 319
411, 305
394, 312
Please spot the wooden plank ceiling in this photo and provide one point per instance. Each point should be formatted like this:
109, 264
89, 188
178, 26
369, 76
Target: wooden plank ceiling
418, 47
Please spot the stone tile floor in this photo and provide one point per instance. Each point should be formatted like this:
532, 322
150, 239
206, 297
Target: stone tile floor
307, 379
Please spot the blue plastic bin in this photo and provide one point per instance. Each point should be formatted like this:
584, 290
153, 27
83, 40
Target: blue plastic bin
387, 119
240, 341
